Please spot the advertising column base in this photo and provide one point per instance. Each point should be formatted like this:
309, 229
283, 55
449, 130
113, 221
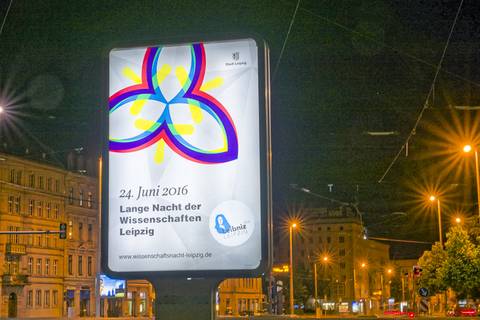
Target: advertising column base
183, 299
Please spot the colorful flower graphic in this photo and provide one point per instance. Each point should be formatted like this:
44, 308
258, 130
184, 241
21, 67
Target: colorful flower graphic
164, 130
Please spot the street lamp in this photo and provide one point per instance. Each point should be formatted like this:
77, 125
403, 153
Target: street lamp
290, 229
458, 220
439, 210
1, 109
467, 149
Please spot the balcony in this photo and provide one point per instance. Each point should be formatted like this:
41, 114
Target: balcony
14, 280
15, 249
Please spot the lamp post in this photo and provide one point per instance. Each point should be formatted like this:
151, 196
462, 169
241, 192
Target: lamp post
325, 262
468, 148
317, 309
439, 210
290, 229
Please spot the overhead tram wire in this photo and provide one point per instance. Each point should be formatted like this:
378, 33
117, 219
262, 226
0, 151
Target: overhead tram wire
5, 17
285, 41
400, 52
425, 105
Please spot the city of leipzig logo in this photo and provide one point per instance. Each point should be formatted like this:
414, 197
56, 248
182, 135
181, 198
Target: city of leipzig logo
163, 130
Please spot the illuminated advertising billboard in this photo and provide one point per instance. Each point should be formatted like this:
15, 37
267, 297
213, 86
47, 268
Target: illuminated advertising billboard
186, 180
112, 288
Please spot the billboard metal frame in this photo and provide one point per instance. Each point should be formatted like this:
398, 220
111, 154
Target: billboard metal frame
265, 163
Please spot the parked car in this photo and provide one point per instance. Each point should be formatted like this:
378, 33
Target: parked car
462, 311
398, 313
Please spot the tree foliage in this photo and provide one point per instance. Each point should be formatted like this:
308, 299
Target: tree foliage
457, 266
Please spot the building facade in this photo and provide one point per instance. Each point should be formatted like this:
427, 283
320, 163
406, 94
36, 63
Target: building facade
43, 275
352, 272
240, 296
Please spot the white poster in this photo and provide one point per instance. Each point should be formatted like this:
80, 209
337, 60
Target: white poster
184, 158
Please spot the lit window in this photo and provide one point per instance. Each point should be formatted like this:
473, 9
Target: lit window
31, 205
70, 264
80, 198
10, 204
55, 267
89, 200
56, 210
40, 208
17, 204
49, 210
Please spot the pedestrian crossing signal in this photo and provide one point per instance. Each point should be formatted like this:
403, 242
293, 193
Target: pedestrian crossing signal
63, 231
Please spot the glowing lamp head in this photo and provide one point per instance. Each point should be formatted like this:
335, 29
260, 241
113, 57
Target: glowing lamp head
363, 265
1, 109
294, 225
458, 220
325, 258
432, 198
467, 148
389, 271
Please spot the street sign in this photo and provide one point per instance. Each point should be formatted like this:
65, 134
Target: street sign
423, 292
424, 305
187, 169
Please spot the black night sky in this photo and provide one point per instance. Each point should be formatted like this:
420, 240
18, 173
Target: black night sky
349, 67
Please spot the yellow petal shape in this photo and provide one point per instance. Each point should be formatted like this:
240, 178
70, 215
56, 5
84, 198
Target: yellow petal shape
130, 74
143, 124
137, 106
181, 74
184, 129
212, 84
197, 114
159, 152
163, 73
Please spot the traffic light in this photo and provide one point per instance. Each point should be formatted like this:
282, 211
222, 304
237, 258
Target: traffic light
417, 271
63, 231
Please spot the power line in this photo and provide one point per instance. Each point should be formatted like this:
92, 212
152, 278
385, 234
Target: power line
392, 48
5, 18
286, 39
425, 105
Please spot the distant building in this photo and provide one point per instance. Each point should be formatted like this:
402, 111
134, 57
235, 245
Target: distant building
42, 275
352, 271
240, 296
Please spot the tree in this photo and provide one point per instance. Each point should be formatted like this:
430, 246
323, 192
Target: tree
461, 270
432, 263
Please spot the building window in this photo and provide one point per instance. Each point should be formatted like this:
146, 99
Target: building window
55, 267
55, 298
17, 204
341, 228
80, 265
341, 252
89, 200
80, 231
30, 298
49, 210
57, 185
70, 195
10, 204
40, 208
70, 264
341, 239
49, 184
30, 265
320, 239
70, 229
38, 298
329, 240
12, 176
31, 205
80, 198
90, 232
41, 183
31, 181
56, 210
39, 266
328, 228
47, 267
342, 265
47, 298
89, 266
